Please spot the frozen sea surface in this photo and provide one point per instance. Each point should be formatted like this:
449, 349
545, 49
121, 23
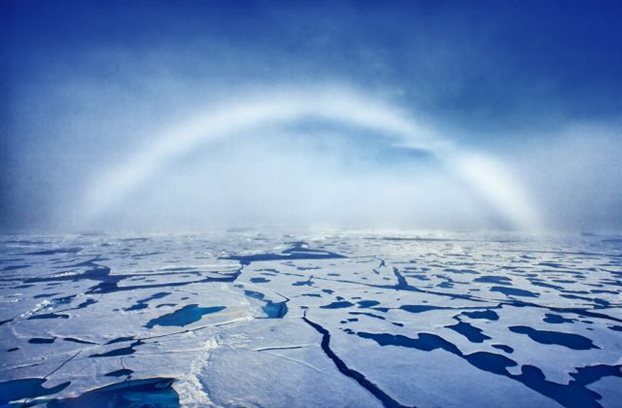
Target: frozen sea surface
250, 319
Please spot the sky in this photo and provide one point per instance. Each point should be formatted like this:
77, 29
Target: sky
154, 115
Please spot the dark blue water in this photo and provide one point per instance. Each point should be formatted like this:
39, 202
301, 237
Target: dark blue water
573, 341
145, 393
513, 291
338, 305
273, 310
299, 250
184, 316
144, 303
472, 333
486, 314
26, 388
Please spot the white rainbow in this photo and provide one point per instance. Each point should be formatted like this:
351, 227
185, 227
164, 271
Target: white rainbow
479, 171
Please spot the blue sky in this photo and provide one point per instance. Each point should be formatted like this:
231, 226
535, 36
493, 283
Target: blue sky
84, 83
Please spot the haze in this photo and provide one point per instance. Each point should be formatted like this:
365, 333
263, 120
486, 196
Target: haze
161, 116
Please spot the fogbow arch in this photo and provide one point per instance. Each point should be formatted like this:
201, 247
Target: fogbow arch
479, 171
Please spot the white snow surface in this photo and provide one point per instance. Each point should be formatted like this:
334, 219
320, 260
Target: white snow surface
274, 319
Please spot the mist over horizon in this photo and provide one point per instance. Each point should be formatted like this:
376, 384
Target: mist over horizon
147, 116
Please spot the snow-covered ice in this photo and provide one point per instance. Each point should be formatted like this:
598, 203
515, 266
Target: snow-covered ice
353, 319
